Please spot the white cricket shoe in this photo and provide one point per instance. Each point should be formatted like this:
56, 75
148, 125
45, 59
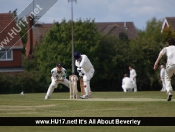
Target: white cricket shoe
47, 97
84, 97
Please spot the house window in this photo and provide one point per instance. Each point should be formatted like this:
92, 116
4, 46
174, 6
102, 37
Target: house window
6, 55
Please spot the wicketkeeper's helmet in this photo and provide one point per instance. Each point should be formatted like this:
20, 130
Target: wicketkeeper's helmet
59, 65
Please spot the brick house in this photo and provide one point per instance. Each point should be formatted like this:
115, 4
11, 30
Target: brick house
34, 35
37, 32
10, 44
169, 22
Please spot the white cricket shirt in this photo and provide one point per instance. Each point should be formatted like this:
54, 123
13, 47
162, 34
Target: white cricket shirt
132, 73
170, 52
85, 63
127, 83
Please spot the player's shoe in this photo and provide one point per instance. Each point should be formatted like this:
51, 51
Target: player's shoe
47, 97
80, 97
169, 97
84, 97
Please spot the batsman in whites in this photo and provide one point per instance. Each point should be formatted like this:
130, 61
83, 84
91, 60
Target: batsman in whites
83, 64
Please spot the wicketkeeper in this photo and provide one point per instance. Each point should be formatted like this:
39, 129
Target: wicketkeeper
58, 76
85, 68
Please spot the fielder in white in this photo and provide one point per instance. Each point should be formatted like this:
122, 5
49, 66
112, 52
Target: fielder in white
170, 65
162, 77
127, 84
83, 63
133, 75
58, 76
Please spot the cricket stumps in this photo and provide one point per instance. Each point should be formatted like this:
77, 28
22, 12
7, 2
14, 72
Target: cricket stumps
73, 86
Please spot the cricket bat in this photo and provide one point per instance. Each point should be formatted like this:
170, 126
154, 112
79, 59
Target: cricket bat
82, 86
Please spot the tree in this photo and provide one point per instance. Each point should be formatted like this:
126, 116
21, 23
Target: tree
144, 51
109, 55
123, 36
103, 63
56, 44
168, 33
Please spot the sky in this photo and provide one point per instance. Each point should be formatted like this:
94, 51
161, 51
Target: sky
137, 11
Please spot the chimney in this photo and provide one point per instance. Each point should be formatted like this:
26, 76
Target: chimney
125, 25
29, 45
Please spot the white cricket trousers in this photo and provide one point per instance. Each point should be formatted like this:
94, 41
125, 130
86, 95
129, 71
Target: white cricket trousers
135, 84
163, 84
126, 88
86, 80
54, 85
170, 70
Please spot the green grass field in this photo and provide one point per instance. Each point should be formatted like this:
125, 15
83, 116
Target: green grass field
103, 104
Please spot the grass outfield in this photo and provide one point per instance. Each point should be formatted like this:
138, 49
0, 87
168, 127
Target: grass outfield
103, 104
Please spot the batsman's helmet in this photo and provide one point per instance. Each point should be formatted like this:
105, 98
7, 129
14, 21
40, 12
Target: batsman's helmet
77, 55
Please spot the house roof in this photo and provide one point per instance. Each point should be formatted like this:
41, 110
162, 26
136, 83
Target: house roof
114, 28
9, 38
40, 30
104, 27
169, 22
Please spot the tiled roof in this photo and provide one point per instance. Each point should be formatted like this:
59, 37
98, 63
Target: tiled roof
171, 22
8, 26
114, 28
